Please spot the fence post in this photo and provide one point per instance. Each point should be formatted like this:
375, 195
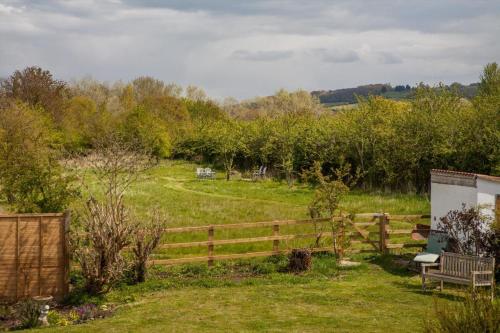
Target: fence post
66, 253
276, 242
342, 236
17, 257
40, 255
210, 246
383, 221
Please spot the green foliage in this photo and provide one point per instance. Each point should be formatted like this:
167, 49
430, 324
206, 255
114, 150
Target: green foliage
393, 143
55, 318
329, 192
31, 178
224, 139
147, 131
84, 124
476, 313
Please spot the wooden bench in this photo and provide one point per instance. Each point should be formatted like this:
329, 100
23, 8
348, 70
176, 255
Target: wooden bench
461, 269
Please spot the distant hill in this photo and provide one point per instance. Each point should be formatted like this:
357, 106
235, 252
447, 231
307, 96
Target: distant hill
348, 95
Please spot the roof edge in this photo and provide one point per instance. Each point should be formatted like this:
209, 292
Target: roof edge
463, 174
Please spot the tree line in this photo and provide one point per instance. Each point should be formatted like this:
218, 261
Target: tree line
387, 144
350, 95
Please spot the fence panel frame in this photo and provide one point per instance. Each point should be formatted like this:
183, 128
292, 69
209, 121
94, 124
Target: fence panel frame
35, 241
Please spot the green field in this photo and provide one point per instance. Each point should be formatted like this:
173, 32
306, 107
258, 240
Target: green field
255, 295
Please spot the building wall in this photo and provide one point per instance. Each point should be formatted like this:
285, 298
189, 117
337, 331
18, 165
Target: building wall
446, 197
486, 194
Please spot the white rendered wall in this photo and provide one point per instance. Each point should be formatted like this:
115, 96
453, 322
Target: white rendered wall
486, 194
445, 197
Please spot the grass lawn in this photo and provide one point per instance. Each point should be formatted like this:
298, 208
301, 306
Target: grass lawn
374, 297
255, 295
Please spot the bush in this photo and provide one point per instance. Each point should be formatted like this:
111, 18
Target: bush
477, 313
300, 260
145, 241
470, 231
107, 225
57, 319
31, 179
28, 312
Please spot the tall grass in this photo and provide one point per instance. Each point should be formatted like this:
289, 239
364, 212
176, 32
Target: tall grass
477, 313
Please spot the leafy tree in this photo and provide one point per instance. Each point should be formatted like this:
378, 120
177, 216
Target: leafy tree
172, 112
83, 124
224, 140
31, 178
37, 88
147, 132
490, 81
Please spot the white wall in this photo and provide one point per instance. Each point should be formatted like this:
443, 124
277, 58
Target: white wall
445, 197
486, 193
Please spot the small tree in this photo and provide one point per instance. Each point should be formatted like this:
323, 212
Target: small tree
145, 240
327, 197
107, 226
470, 231
31, 178
37, 88
224, 140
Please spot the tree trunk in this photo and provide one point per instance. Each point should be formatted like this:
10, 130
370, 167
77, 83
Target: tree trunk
140, 272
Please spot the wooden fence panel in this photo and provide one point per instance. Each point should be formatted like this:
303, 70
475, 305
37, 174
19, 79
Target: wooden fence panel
33, 256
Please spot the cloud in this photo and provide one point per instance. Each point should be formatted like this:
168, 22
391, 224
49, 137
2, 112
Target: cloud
337, 56
389, 58
247, 48
261, 55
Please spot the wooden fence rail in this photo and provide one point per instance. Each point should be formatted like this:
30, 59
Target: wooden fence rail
359, 233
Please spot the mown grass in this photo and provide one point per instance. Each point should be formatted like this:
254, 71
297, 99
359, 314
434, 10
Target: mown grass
248, 296
256, 295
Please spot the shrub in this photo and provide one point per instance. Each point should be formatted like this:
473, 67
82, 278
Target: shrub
107, 225
87, 312
300, 260
470, 231
145, 240
57, 319
28, 312
477, 313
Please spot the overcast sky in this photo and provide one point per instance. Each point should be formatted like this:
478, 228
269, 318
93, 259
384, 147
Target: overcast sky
244, 48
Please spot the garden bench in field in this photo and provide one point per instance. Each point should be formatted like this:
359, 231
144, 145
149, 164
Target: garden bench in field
204, 173
461, 269
261, 173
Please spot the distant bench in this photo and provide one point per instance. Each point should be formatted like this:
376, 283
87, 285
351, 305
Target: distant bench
205, 173
462, 269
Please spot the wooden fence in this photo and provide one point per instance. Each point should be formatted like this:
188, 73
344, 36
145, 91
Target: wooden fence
359, 228
34, 257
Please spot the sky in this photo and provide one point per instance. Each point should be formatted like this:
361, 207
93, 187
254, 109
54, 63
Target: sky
253, 47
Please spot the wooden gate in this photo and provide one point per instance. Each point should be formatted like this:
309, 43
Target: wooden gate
34, 257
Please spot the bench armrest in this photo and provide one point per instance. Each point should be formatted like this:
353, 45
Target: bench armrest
426, 266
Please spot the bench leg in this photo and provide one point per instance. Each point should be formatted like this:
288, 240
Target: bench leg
423, 282
442, 286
